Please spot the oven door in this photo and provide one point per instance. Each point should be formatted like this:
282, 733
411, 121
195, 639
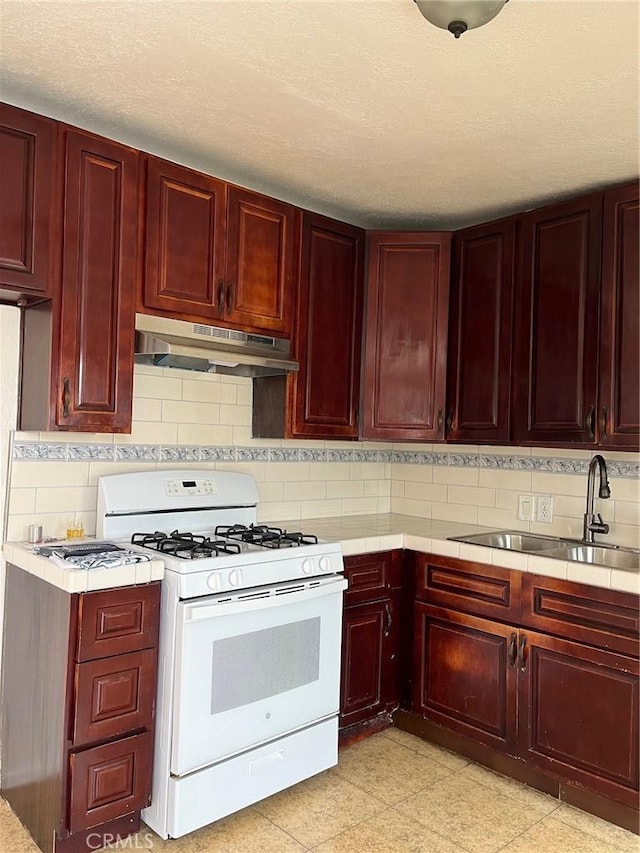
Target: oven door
253, 666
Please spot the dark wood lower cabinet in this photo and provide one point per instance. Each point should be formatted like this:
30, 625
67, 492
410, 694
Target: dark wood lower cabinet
78, 706
370, 642
465, 678
558, 710
579, 713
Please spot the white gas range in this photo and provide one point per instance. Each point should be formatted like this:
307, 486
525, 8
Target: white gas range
250, 635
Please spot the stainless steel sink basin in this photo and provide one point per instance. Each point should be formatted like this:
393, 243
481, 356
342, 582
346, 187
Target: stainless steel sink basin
512, 540
613, 558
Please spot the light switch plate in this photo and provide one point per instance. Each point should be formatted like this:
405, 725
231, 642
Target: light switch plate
526, 504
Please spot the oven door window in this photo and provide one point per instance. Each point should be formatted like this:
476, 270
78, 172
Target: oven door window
249, 672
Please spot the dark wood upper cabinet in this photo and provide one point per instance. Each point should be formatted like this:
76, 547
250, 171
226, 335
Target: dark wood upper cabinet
619, 413
478, 398
77, 361
260, 261
95, 374
29, 216
184, 243
556, 331
326, 391
406, 336
216, 252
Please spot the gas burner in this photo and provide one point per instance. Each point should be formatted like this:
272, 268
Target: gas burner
267, 537
185, 546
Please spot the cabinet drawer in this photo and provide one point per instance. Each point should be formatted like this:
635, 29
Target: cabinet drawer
114, 696
115, 621
598, 617
471, 587
371, 576
109, 781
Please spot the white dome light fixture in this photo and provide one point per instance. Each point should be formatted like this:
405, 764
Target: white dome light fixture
458, 16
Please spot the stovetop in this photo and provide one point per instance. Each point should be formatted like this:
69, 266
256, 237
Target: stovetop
203, 525
227, 539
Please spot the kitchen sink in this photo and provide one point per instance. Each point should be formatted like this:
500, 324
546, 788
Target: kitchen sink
601, 554
512, 540
613, 558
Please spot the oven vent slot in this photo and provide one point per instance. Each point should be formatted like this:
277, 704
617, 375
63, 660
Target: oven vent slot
289, 589
249, 596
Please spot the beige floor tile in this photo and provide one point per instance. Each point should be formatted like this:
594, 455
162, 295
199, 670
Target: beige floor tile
602, 829
244, 832
552, 836
388, 832
319, 808
480, 819
423, 747
511, 788
387, 769
14, 838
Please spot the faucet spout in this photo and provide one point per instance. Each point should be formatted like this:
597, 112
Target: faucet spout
593, 522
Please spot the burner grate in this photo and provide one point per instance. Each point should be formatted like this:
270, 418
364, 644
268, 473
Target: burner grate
267, 537
185, 546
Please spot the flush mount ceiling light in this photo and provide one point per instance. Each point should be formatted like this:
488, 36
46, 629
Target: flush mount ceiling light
458, 16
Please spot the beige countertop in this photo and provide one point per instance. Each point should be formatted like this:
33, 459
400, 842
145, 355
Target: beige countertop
358, 534
80, 580
362, 534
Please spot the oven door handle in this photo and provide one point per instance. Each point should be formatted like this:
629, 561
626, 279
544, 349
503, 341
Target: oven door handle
251, 601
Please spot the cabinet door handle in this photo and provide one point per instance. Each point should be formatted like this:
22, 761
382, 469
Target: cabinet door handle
590, 421
522, 664
387, 619
66, 397
229, 297
440, 421
220, 296
449, 422
603, 424
513, 649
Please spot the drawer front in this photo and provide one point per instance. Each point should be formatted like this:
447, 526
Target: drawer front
109, 781
470, 587
115, 621
371, 576
598, 617
114, 696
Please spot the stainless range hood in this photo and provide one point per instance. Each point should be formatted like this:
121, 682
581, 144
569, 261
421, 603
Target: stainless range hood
193, 346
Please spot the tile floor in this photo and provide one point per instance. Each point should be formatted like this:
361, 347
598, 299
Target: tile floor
391, 793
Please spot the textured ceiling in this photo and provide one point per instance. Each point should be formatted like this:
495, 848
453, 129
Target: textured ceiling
356, 108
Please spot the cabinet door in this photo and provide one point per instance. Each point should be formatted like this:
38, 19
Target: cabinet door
184, 244
114, 696
95, 373
406, 336
556, 332
619, 421
365, 627
29, 219
329, 330
480, 334
260, 262
464, 675
109, 781
579, 714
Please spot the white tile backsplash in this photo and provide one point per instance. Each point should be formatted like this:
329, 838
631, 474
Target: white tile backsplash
201, 420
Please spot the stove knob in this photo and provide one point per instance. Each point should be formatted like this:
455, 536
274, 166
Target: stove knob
307, 566
235, 577
325, 564
214, 582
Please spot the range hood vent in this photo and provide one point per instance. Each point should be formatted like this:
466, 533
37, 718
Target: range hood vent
165, 342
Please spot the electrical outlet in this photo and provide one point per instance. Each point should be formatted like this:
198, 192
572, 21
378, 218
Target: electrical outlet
526, 507
544, 508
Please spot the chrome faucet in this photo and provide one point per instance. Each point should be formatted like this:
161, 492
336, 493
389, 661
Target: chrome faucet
593, 523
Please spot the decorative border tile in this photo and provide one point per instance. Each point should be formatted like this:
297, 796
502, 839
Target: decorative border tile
50, 451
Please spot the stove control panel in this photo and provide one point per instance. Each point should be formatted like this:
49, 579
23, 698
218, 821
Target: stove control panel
186, 488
